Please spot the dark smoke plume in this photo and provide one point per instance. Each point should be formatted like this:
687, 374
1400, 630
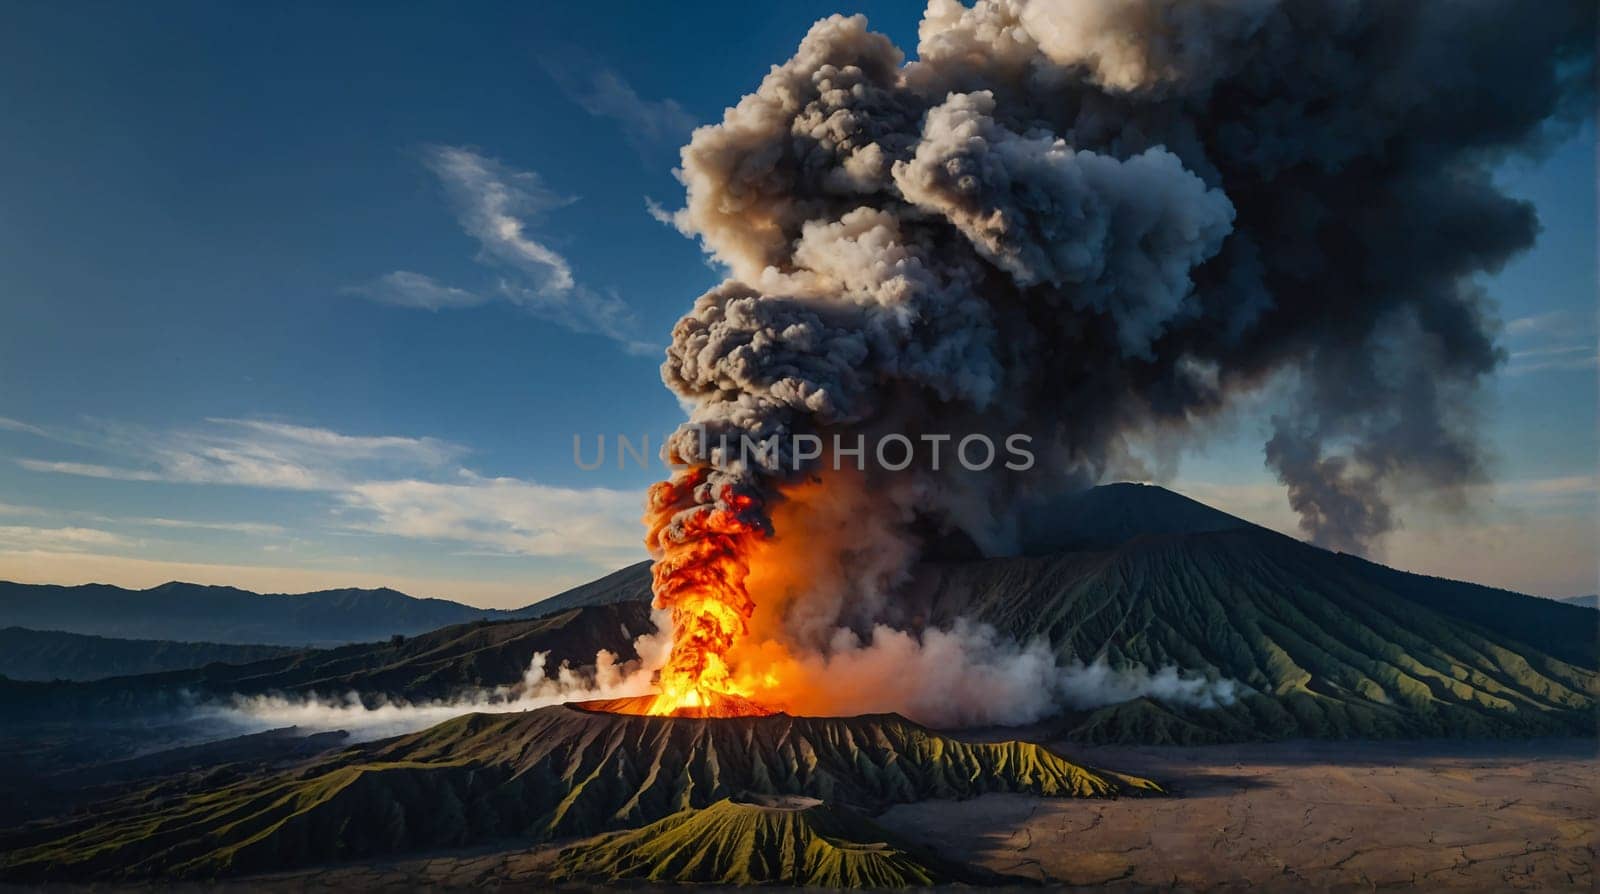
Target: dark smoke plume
1097, 222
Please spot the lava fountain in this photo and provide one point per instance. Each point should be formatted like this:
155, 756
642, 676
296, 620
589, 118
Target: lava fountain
702, 532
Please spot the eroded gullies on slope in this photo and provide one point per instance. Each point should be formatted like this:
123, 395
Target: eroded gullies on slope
555, 773
788, 840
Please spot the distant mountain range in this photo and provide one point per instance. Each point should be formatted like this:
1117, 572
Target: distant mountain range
1590, 601
196, 613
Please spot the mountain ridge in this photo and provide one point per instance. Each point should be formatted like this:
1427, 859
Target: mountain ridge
40, 655
185, 612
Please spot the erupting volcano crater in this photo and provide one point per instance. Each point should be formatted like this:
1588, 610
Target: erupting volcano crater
711, 705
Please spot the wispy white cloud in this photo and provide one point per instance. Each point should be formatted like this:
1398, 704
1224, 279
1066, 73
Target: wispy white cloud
406, 289
1567, 494
502, 515
649, 125
7, 424
88, 470
1562, 351
1558, 341
658, 213
583, 310
254, 529
1558, 322
335, 446
406, 487
497, 205
1568, 359
254, 453
494, 203
68, 539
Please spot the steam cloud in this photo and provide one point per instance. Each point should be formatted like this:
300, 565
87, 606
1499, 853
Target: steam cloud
365, 720
1099, 223
971, 676
962, 677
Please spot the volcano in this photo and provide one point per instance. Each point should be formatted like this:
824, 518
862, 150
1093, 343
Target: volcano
1329, 645
563, 772
1324, 644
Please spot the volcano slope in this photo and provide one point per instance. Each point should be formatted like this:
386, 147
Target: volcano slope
547, 774
1330, 645
793, 841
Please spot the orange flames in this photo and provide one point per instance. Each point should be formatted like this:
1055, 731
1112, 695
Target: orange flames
702, 560
731, 657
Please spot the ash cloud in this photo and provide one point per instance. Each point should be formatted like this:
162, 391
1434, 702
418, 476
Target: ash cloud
1099, 223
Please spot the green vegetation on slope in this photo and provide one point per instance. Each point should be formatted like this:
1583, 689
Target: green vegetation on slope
808, 844
1563, 629
1330, 646
547, 774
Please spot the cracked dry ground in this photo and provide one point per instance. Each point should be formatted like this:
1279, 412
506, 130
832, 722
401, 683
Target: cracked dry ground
1488, 816
1300, 816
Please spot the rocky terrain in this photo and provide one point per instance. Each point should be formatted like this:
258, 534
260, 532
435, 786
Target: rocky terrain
1306, 816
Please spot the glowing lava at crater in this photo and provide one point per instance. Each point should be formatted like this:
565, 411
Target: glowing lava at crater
717, 705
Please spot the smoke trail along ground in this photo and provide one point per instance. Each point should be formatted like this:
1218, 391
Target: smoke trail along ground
967, 676
1098, 224
606, 679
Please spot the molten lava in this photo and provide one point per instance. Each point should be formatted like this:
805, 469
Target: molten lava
701, 536
719, 706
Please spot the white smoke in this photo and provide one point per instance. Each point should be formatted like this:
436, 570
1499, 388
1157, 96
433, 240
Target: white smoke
367, 720
970, 675
966, 676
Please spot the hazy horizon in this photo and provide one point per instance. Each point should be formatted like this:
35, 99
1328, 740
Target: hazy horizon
144, 576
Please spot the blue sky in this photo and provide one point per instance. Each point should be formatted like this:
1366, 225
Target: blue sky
294, 298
